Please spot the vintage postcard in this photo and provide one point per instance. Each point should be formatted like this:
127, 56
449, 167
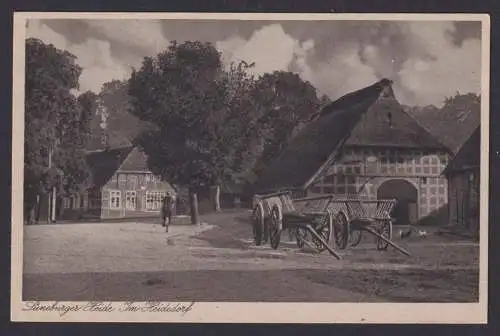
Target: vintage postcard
274, 168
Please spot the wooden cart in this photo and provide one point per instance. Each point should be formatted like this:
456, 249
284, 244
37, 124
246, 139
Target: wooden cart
325, 219
276, 212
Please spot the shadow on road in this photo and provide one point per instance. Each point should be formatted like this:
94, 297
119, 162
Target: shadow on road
292, 285
231, 231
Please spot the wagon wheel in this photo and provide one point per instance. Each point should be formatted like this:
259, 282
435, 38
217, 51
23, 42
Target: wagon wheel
325, 230
341, 230
275, 228
385, 229
258, 226
265, 232
300, 235
355, 237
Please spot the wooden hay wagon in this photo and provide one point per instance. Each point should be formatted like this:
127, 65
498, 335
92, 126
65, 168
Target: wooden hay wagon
326, 219
276, 212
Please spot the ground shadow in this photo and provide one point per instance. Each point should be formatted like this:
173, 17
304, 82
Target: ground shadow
311, 285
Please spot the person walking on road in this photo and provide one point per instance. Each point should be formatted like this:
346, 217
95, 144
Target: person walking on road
168, 208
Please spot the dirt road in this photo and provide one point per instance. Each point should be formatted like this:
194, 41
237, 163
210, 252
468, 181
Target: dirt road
217, 261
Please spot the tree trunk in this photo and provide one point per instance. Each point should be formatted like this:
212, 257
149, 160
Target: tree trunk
217, 198
54, 203
193, 203
31, 215
49, 205
37, 207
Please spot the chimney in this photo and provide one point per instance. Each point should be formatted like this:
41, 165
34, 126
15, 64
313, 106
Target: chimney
387, 91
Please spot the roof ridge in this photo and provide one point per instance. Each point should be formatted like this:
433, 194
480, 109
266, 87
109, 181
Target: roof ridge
349, 97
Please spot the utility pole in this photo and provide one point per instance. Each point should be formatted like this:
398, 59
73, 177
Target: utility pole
54, 198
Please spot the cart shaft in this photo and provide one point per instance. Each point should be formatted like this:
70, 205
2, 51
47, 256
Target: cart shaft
325, 244
388, 241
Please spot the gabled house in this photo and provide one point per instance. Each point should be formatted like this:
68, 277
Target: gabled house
122, 186
463, 174
365, 145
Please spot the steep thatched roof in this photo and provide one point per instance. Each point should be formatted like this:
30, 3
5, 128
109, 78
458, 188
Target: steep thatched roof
359, 118
103, 164
469, 155
136, 161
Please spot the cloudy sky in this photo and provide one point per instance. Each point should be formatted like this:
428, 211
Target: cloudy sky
426, 60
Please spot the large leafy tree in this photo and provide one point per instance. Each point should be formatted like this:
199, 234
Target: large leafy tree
240, 135
286, 103
180, 91
56, 124
454, 122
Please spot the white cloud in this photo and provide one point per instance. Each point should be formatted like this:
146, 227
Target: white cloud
456, 69
343, 73
419, 56
142, 34
94, 55
270, 48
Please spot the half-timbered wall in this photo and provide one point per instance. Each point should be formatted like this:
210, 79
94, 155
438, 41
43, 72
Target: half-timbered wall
133, 194
360, 172
125, 195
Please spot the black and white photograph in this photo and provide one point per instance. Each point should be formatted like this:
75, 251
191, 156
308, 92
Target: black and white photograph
197, 167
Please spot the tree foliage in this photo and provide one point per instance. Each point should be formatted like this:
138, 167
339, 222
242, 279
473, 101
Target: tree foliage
56, 123
179, 91
452, 123
215, 124
286, 103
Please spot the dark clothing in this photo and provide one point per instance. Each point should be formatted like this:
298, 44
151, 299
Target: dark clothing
168, 210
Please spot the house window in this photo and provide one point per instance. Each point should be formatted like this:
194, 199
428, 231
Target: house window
154, 199
130, 200
103, 139
132, 181
66, 203
76, 201
115, 199
122, 180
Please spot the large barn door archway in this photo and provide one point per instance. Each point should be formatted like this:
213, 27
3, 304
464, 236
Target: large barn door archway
406, 210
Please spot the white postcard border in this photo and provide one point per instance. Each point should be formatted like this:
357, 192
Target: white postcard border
203, 312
